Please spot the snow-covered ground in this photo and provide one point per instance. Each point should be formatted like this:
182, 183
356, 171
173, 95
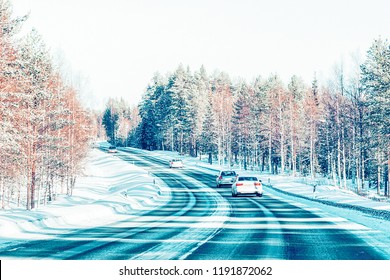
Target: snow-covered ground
111, 188
108, 189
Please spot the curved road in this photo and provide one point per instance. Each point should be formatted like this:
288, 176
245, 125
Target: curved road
202, 222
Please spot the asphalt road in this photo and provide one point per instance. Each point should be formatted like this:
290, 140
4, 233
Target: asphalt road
203, 222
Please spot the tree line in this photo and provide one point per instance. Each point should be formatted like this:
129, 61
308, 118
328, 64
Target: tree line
44, 130
339, 130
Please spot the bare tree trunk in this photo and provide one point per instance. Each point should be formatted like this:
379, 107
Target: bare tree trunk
2, 186
33, 185
62, 184
40, 187
388, 176
293, 156
219, 150
53, 189
379, 180
329, 154
358, 182
19, 195
338, 160
334, 176
312, 169
338, 127
9, 197
292, 134
45, 194
344, 167
363, 172
270, 152
282, 151
379, 171
172, 144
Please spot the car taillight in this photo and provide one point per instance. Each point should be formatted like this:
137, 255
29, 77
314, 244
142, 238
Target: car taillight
220, 177
239, 184
258, 184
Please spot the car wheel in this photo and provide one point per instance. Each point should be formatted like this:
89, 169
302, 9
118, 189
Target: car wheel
217, 185
234, 194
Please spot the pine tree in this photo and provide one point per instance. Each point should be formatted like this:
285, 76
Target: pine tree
296, 91
259, 108
179, 113
199, 100
241, 123
208, 138
375, 81
110, 121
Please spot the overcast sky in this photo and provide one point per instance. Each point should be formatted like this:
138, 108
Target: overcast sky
117, 45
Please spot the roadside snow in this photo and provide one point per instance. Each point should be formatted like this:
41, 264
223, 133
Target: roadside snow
109, 189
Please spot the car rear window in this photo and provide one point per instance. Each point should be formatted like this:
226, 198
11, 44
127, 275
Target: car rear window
247, 179
228, 173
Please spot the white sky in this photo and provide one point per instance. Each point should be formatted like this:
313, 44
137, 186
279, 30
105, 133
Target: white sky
118, 45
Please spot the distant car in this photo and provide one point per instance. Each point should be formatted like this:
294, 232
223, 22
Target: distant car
247, 185
112, 150
226, 177
176, 163
95, 145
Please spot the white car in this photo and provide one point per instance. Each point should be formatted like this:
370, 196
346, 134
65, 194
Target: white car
95, 145
112, 150
247, 185
176, 163
226, 177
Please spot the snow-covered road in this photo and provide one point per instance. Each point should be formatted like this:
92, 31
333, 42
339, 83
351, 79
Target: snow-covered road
132, 206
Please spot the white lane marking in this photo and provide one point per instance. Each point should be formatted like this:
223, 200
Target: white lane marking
15, 249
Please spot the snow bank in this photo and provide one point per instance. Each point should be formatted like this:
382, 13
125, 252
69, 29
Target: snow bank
109, 190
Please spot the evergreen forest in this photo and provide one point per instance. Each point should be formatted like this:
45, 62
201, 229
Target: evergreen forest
339, 130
